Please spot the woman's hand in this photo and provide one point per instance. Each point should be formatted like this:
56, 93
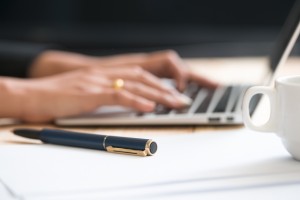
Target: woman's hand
84, 90
162, 64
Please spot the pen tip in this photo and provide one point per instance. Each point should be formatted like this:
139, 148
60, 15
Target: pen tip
28, 133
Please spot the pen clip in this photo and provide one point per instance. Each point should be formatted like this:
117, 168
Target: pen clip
127, 151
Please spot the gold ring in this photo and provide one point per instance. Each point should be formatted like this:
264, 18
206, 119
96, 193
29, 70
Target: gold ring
118, 84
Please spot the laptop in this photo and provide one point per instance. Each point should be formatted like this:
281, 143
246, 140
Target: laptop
221, 106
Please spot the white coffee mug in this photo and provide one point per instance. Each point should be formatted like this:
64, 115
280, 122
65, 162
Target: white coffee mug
285, 111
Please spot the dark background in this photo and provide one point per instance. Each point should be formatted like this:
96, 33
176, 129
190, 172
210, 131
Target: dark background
194, 28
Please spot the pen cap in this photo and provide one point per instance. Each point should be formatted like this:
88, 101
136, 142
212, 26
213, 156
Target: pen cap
132, 143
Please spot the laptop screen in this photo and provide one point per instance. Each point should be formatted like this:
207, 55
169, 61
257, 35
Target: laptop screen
285, 36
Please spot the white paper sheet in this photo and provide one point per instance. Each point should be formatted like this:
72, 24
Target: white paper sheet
5, 192
191, 164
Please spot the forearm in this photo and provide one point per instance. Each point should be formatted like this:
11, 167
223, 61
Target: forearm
53, 62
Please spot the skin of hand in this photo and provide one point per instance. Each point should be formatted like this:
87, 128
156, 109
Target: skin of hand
83, 90
161, 63
64, 84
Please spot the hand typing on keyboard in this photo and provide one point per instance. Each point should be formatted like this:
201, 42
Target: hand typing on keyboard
63, 84
223, 99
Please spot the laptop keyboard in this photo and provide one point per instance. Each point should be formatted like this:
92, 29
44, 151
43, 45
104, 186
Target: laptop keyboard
225, 99
206, 102
221, 106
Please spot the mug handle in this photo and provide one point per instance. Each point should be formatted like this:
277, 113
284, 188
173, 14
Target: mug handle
270, 125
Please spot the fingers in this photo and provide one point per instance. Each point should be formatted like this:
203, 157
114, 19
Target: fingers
125, 98
142, 83
141, 97
162, 64
142, 89
177, 69
170, 65
169, 100
137, 74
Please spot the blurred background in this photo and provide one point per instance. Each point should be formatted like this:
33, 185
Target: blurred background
195, 28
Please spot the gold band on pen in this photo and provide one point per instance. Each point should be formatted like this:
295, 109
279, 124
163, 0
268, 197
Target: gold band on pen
146, 152
126, 151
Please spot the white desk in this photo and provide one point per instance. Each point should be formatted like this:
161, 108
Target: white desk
224, 163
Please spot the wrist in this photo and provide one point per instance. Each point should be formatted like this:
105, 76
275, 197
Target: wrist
12, 93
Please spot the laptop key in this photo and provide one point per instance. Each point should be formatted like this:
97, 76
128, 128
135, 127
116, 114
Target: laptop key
204, 105
182, 110
192, 90
234, 107
222, 104
237, 103
161, 110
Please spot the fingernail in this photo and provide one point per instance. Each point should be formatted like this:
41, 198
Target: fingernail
168, 87
148, 106
172, 100
171, 90
185, 99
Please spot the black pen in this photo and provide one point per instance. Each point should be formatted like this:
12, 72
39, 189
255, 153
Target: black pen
114, 144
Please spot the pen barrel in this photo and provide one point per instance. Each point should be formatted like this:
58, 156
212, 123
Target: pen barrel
115, 144
73, 139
